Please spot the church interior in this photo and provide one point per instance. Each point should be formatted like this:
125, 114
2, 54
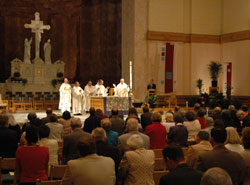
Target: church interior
181, 57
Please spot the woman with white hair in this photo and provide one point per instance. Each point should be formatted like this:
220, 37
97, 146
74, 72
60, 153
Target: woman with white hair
233, 141
137, 165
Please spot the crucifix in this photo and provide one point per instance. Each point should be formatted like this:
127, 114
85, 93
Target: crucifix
37, 27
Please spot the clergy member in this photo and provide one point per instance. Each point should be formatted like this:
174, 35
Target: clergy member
65, 96
100, 89
77, 99
122, 89
89, 90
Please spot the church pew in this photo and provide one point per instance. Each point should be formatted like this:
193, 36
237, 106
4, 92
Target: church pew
157, 176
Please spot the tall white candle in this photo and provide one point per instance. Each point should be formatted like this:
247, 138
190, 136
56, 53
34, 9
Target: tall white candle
130, 75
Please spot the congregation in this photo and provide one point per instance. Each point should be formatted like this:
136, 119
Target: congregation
109, 149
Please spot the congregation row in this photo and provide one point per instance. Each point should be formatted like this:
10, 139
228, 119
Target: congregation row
111, 150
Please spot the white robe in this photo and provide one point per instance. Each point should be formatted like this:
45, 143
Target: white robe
100, 90
88, 91
122, 90
65, 97
77, 100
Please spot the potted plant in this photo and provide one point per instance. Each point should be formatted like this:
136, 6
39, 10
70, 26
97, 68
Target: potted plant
152, 100
214, 69
199, 85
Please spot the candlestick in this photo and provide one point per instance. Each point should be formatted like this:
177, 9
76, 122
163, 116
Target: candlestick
130, 75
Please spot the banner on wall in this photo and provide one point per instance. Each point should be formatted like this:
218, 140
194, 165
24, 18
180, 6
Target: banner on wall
169, 67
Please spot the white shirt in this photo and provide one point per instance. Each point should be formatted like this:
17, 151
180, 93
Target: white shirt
234, 147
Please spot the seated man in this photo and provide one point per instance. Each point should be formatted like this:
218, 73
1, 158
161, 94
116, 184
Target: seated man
90, 168
221, 157
180, 172
117, 122
194, 151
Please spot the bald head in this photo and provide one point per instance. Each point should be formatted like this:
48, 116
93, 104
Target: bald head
99, 134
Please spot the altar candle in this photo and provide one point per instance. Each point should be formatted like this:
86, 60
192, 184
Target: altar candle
130, 74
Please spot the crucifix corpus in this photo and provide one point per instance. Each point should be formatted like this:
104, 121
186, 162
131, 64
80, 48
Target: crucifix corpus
37, 27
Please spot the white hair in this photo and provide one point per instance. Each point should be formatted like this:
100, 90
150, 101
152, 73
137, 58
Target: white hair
99, 133
216, 176
132, 124
135, 141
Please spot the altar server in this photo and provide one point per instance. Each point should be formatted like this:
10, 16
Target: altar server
65, 96
100, 89
122, 89
89, 90
77, 99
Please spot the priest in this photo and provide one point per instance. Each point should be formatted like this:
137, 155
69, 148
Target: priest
122, 89
77, 99
65, 96
89, 90
100, 89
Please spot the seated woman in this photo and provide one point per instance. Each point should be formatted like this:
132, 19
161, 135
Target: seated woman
112, 136
233, 142
66, 121
156, 132
31, 159
51, 144
193, 126
137, 165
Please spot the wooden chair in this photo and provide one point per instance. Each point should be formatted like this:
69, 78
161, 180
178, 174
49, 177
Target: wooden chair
50, 182
7, 164
172, 100
57, 171
17, 103
160, 164
111, 92
157, 176
158, 153
38, 102
27, 103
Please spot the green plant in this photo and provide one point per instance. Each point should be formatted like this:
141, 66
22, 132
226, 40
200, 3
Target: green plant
17, 74
24, 81
199, 85
59, 75
152, 100
54, 83
214, 69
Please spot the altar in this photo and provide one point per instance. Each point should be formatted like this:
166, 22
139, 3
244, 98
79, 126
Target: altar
106, 104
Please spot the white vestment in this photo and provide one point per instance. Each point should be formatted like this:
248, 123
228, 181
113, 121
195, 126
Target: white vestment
65, 97
122, 90
100, 90
88, 91
77, 100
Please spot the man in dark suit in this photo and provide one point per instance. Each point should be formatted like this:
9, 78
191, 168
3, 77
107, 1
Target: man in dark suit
46, 119
221, 157
146, 118
92, 121
70, 150
8, 139
180, 172
117, 122
151, 85
99, 136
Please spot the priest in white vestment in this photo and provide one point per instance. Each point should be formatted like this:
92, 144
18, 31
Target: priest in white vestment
122, 89
65, 96
89, 90
77, 99
100, 89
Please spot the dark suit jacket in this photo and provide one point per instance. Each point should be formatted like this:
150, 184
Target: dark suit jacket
91, 123
8, 142
221, 157
151, 86
70, 150
246, 121
183, 174
178, 134
146, 119
117, 124
45, 120
108, 151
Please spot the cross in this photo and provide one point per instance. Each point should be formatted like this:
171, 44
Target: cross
37, 27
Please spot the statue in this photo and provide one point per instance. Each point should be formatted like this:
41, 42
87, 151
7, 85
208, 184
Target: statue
27, 47
47, 52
